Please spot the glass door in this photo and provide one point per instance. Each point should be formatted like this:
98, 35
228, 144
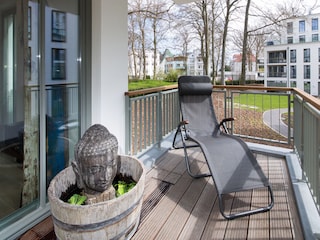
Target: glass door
19, 116
39, 107
61, 75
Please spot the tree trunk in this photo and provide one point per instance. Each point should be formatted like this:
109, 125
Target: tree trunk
244, 46
30, 189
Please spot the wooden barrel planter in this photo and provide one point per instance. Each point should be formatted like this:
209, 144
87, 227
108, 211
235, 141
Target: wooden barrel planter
114, 219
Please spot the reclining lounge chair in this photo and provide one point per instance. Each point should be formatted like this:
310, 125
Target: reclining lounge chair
232, 165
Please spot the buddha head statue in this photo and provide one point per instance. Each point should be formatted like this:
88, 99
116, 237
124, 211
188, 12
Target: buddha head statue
95, 163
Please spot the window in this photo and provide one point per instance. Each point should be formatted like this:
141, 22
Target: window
306, 71
293, 71
290, 40
277, 57
293, 56
315, 37
318, 54
306, 87
289, 27
319, 71
277, 71
293, 84
302, 26
306, 55
302, 38
314, 24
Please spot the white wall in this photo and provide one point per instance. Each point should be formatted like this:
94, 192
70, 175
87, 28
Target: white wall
110, 66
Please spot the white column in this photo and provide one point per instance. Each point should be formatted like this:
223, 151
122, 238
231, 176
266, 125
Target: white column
110, 66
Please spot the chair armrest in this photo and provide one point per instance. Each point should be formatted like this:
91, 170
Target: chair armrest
184, 122
223, 124
226, 120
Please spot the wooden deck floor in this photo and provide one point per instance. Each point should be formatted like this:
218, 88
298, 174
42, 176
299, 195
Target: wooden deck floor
177, 206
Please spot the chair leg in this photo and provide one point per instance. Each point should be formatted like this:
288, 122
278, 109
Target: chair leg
186, 158
246, 213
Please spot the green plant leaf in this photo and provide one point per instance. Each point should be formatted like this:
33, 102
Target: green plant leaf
123, 187
77, 199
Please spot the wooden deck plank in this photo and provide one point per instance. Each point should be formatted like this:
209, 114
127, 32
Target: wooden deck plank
156, 219
199, 223
259, 226
237, 228
216, 225
179, 216
259, 223
190, 207
280, 225
195, 225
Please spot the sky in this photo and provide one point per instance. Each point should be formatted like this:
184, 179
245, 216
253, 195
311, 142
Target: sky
265, 5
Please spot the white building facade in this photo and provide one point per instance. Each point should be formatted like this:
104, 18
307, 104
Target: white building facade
135, 64
295, 61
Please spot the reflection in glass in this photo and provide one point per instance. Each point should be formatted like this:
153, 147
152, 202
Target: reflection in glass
23, 86
19, 111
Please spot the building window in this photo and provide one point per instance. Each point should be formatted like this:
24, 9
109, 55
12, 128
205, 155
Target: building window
319, 71
277, 57
277, 71
293, 71
315, 24
306, 71
293, 56
302, 26
290, 40
293, 84
302, 38
306, 55
315, 37
306, 87
289, 27
319, 54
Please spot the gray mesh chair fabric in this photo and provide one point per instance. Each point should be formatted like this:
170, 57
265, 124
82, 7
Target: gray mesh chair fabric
232, 165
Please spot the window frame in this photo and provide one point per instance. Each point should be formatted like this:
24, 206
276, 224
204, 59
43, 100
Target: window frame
314, 24
302, 26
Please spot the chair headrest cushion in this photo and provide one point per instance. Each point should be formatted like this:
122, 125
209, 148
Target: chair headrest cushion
194, 85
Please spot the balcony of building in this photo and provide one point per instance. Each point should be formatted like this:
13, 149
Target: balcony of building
282, 128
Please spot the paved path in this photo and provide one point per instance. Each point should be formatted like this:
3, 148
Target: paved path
272, 118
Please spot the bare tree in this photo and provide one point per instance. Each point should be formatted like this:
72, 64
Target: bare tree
216, 33
183, 40
133, 46
245, 45
140, 9
203, 7
158, 15
230, 7
199, 19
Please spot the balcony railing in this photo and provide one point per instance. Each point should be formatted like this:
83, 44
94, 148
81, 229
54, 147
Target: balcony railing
151, 115
284, 117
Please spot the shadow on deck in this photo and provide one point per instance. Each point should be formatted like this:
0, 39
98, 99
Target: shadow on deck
177, 206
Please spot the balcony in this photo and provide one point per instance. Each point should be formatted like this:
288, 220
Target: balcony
177, 206
259, 112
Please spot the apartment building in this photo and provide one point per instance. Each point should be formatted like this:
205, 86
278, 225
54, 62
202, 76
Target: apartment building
170, 62
294, 60
135, 63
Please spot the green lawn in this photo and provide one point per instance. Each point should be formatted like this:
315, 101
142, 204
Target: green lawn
142, 84
262, 102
